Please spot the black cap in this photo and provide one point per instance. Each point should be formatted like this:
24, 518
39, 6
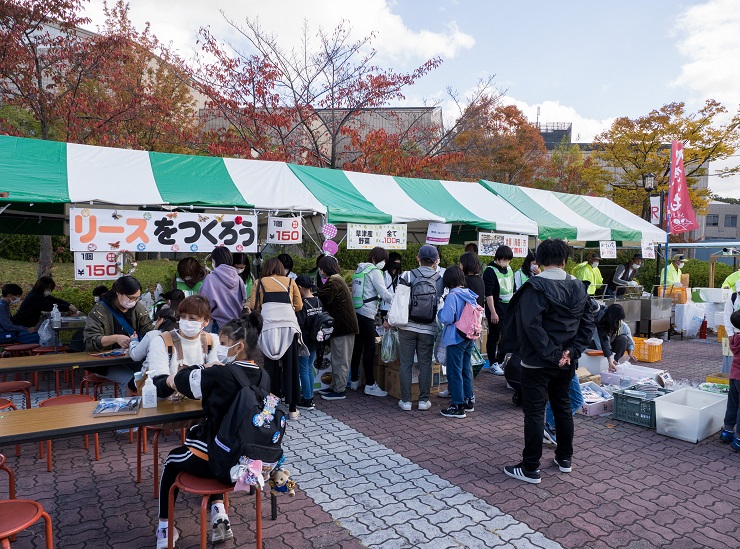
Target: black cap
304, 281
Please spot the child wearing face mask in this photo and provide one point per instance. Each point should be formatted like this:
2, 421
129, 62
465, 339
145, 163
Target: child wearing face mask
188, 345
216, 387
9, 331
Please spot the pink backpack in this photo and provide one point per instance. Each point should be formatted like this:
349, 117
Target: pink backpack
469, 324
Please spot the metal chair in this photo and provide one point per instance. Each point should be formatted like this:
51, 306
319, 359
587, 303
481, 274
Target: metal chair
206, 487
18, 514
61, 401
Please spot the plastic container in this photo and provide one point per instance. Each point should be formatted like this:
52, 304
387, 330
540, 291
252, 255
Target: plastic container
594, 361
55, 317
149, 394
633, 409
690, 414
648, 350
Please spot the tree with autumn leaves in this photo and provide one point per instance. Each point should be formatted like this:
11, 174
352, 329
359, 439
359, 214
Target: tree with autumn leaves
635, 147
117, 88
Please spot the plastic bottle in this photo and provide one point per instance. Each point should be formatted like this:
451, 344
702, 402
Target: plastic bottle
703, 330
149, 394
56, 317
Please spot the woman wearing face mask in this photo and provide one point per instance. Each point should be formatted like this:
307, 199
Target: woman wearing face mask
529, 269
39, 300
368, 290
216, 387
243, 269
498, 279
112, 323
392, 272
624, 276
188, 345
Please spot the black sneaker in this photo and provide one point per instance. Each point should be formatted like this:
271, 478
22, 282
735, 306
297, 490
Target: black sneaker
468, 405
306, 404
518, 472
324, 391
331, 395
454, 412
564, 464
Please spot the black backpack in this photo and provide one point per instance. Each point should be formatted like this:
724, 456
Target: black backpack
243, 431
317, 320
423, 300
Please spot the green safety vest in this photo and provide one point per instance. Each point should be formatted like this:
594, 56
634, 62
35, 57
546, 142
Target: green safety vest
187, 290
506, 284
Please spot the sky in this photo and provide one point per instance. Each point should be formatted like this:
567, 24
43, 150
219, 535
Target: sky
580, 62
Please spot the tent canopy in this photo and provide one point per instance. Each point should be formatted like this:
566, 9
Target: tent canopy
577, 218
35, 171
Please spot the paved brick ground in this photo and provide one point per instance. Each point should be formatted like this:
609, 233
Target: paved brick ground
630, 487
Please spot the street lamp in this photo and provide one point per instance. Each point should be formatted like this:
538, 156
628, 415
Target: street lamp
648, 183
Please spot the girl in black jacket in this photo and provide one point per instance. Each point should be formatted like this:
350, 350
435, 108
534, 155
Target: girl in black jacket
216, 387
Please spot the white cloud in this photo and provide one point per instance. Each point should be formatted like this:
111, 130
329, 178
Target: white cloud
584, 129
178, 21
708, 35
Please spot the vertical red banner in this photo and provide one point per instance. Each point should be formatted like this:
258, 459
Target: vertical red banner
682, 217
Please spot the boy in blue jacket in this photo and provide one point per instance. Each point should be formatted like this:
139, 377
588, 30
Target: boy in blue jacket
458, 348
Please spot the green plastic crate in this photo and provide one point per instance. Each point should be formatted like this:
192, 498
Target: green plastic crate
635, 410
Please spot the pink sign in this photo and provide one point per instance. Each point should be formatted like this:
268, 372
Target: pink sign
682, 217
330, 247
329, 230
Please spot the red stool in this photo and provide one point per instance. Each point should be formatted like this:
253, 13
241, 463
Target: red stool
141, 449
206, 487
21, 349
97, 383
18, 514
17, 387
61, 401
6, 404
51, 350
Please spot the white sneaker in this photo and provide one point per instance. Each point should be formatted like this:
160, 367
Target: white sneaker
405, 406
220, 528
496, 369
162, 538
354, 385
294, 415
424, 405
445, 393
374, 390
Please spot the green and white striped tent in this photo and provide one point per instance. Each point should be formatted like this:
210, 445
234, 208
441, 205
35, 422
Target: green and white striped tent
578, 219
34, 171
48, 172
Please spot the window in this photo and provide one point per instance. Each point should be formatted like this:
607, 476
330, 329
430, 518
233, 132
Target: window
712, 220
730, 221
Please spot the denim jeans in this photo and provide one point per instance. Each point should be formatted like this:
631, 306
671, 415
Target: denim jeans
20, 337
576, 401
537, 385
307, 374
459, 372
422, 344
732, 415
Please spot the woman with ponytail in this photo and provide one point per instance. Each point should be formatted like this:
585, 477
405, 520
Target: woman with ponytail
216, 387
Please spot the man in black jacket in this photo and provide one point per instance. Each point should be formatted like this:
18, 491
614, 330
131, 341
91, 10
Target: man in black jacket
550, 324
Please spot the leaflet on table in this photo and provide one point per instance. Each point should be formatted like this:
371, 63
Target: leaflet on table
111, 354
117, 406
95, 229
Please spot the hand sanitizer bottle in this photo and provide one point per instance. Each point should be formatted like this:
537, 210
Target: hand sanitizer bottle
56, 317
149, 394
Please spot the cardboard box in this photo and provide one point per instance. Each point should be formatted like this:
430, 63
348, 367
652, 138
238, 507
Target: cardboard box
583, 374
597, 408
393, 382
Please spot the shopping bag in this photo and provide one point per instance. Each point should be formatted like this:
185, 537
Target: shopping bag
46, 334
398, 315
440, 351
389, 346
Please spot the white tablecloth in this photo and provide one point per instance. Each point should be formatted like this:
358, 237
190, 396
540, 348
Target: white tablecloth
689, 316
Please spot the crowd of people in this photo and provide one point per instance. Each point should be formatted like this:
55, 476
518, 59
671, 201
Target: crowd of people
267, 320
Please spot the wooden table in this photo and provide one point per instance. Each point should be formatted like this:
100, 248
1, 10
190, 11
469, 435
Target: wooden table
61, 361
23, 426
